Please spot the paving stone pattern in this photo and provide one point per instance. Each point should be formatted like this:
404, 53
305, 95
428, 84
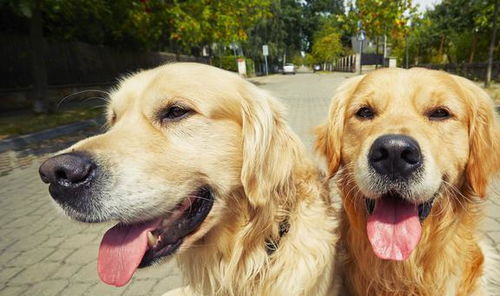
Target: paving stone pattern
44, 253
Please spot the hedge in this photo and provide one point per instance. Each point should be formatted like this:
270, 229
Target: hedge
230, 63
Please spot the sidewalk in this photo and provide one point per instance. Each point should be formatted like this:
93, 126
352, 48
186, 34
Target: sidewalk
44, 253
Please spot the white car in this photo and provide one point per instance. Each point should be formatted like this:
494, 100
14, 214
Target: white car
289, 68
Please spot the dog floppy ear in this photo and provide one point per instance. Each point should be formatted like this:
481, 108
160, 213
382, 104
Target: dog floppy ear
270, 149
484, 138
329, 135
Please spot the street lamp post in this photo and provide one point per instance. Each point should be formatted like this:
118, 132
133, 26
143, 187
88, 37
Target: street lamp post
265, 53
406, 51
361, 37
407, 57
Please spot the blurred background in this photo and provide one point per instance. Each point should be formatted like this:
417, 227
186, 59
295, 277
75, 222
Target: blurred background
60, 58
52, 48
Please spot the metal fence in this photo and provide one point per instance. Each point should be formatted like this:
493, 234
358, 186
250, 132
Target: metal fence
474, 71
372, 59
74, 63
345, 64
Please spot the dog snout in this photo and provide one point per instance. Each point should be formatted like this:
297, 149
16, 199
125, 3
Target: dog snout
69, 170
395, 156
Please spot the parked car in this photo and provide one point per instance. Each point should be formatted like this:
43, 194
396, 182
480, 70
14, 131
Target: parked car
316, 68
289, 69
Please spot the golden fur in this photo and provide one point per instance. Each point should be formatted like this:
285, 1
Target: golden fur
237, 141
463, 152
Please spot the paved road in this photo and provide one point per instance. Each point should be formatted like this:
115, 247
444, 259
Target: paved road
44, 253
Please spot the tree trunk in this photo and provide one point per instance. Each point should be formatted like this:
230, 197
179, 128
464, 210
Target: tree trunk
407, 57
492, 46
473, 48
38, 68
385, 45
441, 48
417, 56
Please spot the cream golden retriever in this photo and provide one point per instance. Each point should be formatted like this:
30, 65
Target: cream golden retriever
413, 152
200, 164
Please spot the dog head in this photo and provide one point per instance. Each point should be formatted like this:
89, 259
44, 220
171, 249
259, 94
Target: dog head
406, 140
188, 146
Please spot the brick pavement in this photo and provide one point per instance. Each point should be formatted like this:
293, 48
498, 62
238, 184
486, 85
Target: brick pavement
44, 253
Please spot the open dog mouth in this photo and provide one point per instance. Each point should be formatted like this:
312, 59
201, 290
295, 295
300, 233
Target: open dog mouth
126, 247
394, 225
424, 209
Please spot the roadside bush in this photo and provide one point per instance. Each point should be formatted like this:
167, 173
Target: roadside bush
298, 60
250, 67
225, 62
230, 63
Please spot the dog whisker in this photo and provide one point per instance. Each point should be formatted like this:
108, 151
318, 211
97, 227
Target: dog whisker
456, 195
65, 98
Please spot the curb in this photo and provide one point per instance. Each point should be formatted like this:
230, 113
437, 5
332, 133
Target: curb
21, 141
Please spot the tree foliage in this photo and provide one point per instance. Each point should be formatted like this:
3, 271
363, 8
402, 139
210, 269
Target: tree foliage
379, 17
327, 48
209, 21
455, 31
281, 31
290, 29
327, 44
147, 24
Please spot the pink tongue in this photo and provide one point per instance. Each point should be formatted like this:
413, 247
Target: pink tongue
121, 252
394, 228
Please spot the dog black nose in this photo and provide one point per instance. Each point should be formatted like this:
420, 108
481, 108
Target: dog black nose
396, 156
67, 170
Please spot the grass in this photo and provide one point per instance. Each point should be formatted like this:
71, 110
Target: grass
15, 125
493, 91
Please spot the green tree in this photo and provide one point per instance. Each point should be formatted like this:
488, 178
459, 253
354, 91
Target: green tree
327, 47
290, 29
455, 31
32, 11
280, 30
380, 18
182, 26
149, 24
198, 22
119, 23
315, 13
492, 45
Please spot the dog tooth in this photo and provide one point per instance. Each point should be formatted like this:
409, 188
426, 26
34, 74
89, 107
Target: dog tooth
152, 240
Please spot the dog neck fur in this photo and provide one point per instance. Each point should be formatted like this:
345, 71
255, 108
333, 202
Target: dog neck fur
236, 262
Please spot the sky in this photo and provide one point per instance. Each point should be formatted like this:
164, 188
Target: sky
423, 4
426, 4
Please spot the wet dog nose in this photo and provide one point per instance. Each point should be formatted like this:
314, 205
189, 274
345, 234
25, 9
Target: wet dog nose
396, 156
67, 170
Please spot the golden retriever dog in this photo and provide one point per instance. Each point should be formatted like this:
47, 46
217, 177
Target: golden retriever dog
412, 152
200, 165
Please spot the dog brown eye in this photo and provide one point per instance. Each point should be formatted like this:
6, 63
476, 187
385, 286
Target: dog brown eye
174, 113
365, 113
439, 114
